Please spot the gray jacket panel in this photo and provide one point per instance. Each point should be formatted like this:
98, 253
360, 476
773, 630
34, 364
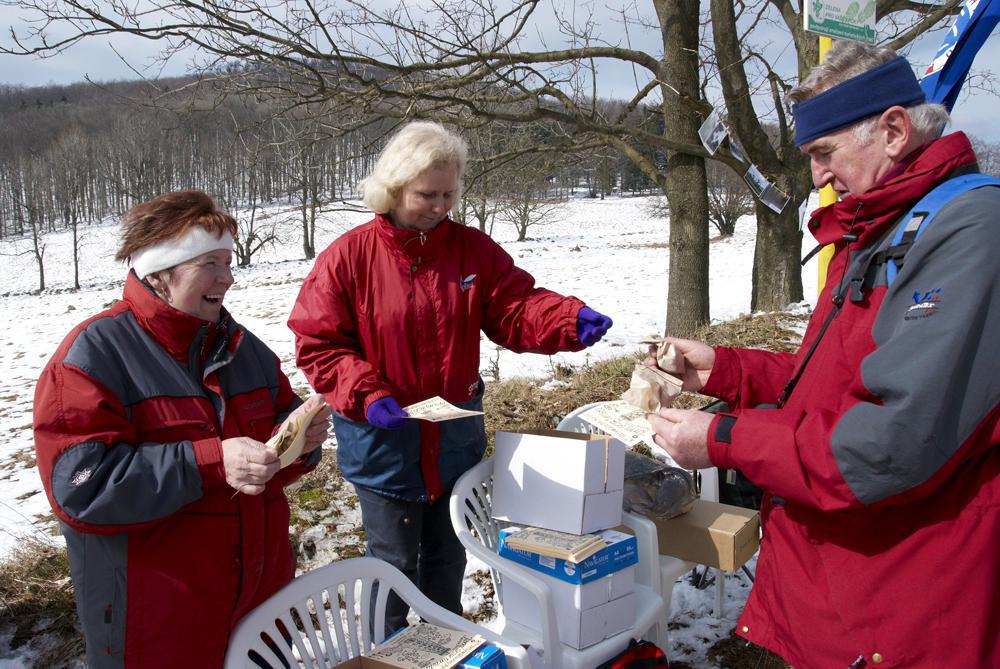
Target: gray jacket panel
934, 370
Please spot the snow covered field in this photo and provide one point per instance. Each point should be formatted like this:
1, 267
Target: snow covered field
611, 253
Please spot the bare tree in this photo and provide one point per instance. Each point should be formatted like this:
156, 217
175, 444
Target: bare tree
70, 154
468, 62
988, 154
524, 200
728, 198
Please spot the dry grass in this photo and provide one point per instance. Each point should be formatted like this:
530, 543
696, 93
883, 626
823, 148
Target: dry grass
36, 595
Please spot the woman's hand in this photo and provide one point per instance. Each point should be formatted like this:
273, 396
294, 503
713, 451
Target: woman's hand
699, 358
319, 429
249, 466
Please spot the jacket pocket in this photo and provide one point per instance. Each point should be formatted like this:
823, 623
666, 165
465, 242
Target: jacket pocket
176, 429
463, 441
383, 460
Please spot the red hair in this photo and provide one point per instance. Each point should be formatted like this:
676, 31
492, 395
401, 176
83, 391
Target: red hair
169, 216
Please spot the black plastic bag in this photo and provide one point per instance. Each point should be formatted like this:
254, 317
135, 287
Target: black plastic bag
655, 489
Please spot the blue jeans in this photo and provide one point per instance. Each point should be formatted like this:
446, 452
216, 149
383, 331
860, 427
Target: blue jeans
416, 538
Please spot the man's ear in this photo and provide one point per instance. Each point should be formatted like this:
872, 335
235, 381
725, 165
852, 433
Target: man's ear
897, 132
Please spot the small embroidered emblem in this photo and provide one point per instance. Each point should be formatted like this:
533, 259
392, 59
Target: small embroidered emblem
468, 281
924, 304
81, 476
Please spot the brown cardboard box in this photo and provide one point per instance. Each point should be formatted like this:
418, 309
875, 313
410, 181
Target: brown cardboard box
714, 534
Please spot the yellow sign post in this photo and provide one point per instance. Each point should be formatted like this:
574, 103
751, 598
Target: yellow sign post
826, 194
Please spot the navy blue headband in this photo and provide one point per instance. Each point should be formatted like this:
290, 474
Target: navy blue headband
856, 99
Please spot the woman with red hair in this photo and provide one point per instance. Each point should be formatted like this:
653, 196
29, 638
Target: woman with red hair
149, 426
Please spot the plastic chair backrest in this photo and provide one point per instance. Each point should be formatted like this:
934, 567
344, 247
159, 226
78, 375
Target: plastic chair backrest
321, 618
471, 508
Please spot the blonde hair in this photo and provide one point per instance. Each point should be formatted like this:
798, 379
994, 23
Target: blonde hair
417, 146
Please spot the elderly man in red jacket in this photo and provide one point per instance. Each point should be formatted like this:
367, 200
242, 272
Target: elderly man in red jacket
880, 464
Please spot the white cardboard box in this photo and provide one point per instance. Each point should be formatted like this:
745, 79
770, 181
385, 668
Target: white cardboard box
564, 481
586, 614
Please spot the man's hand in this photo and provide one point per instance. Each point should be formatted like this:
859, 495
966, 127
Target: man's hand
248, 465
699, 358
319, 429
683, 434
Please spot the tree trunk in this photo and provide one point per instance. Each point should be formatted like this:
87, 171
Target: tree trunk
75, 224
38, 250
777, 274
685, 183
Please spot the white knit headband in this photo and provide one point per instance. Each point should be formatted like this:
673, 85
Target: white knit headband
196, 241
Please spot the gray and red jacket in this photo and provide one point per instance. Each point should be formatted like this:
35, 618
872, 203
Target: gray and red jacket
129, 417
882, 518
389, 311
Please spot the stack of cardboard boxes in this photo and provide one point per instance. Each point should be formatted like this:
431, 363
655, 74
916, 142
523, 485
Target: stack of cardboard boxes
568, 482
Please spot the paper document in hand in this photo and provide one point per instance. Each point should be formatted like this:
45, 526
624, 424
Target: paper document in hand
437, 409
621, 420
290, 438
550, 543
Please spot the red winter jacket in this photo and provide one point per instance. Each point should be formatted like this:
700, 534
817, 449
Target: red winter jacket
882, 519
390, 311
129, 417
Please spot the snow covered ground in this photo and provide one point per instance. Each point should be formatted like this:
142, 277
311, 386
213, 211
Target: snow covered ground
611, 253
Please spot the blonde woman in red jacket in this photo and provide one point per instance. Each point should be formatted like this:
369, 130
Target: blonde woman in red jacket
391, 314
149, 422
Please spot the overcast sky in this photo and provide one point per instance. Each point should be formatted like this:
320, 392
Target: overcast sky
97, 59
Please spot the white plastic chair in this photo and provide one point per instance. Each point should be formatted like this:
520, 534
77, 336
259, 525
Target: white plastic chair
471, 515
321, 618
671, 568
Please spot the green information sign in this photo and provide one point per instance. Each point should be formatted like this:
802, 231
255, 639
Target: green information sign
842, 19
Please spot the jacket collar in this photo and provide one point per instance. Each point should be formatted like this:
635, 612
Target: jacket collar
189, 339
867, 215
415, 246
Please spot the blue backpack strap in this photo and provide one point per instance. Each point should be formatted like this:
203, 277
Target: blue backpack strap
924, 211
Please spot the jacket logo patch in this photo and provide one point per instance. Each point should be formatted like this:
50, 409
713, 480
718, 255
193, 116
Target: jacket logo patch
81, 476
468, 281
924, 304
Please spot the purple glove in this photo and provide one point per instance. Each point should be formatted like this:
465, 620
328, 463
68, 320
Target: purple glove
386, 414
591, 326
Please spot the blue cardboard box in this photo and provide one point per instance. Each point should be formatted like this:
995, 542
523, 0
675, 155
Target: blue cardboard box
620, 552
487, 657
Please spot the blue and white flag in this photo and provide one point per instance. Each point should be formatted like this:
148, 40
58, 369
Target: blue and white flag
944, 77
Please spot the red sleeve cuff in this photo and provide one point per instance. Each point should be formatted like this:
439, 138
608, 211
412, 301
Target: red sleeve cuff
208, 454
374, 397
